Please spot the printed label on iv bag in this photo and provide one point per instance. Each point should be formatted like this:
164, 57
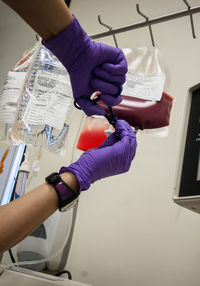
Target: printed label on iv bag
50, 100
10, 95
148, 87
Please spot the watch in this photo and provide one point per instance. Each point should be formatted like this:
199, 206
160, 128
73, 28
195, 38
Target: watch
67, 197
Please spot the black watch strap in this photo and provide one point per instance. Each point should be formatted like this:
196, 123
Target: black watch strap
65, 194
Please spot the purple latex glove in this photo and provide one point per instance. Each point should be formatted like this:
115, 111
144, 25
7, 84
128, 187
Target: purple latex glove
113, 157
92, 67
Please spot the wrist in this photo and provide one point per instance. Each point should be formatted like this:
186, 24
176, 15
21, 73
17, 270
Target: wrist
68, 44
70, 179
57, 27
82, 178
67, 197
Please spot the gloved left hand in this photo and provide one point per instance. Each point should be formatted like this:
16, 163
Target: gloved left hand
113, 157
92, 67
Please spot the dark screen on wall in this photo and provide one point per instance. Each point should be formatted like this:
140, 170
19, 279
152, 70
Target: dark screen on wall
190, 178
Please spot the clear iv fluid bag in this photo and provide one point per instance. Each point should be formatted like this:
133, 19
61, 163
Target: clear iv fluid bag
44, 105
10, 95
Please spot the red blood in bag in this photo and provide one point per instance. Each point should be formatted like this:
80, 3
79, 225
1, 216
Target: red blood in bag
93, 133
89, 140
144, 114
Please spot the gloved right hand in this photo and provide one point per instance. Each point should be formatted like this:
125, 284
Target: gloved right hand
113, 157
92, 67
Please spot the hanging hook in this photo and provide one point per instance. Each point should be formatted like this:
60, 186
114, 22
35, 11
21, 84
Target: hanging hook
147, 19
110, 28
191, 19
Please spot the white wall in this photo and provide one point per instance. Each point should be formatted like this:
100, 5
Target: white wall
128, 230
15, 38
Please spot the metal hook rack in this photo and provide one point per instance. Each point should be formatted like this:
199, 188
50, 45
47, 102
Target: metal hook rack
110, 29
191, 19
149, 22
147, 19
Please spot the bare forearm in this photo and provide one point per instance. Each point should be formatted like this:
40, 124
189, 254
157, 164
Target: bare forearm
20, 217
47, 17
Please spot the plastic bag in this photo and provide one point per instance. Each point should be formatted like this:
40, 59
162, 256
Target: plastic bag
10, 95
44, 106
145, 105
144, 114
93, 132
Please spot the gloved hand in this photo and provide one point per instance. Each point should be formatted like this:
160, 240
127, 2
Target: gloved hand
92, 67
113, 157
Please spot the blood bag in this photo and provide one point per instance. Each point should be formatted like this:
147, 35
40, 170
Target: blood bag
144, 114
92, 133
45, 103
145, 104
